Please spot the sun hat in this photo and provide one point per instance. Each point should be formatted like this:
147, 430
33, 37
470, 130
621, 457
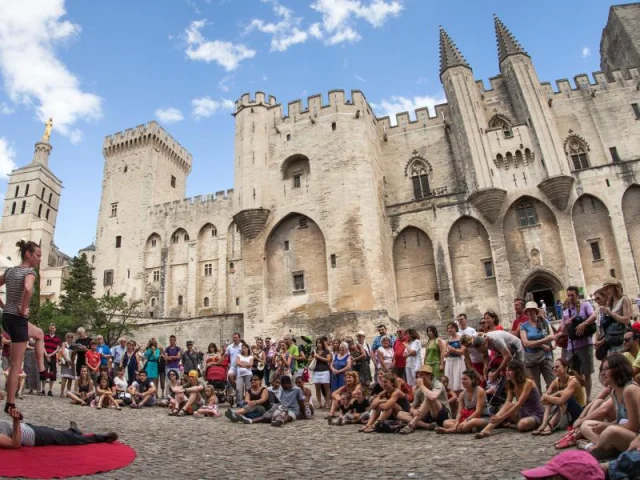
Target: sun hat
572, 465
425, 369
360, 334
611, 281
531, 306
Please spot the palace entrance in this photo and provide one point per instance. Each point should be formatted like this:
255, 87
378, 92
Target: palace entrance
543, 285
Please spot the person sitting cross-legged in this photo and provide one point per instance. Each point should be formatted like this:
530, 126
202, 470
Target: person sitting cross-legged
354, 410
430, 404
84, 391
308, 400
14, 435
105, 395
473, 412
192, 391
290, 408
143, 391
256, 403
210, 406
388, 405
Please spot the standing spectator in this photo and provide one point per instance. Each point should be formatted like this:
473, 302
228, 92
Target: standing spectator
399, 360
616, 316
67, 365
104, 351
152, 354
341, 364
321, 374
190, 358
365, 367
244, 362
579, 352
293, 351
129, 362
117, 351
538, 358
172, 355
377, 343
559, 309
92, 357
464, 328
32, 382
453, 359
518, 306
259, 359
385, 357
232, 351
51, 347
266, 347
435, 350
412, 355
82, 346
632, 350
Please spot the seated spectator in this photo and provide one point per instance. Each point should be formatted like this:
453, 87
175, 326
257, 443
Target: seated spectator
290, 408
451, 395
354, 411
568, 465
105, 395
527, 412
84, 390
308, 400
210, 405
143, 392
120, 386
169, 393
388, 404
610, 439
104, 373
274, 389
255, 404
376, 387
193, 391
564, 400
631, 347
430, 407
473, 411
352, 383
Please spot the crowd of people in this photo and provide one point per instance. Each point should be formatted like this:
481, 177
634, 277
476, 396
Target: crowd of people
467, 381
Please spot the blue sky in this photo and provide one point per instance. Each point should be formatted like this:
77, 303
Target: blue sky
98, 67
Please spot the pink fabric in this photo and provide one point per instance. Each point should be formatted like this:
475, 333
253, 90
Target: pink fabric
572, 465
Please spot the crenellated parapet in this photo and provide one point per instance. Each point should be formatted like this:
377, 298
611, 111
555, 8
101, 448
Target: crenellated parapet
584, 86
404, 123
147, 135
221, 199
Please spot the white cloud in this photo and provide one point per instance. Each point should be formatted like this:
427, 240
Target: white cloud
398, 104
204, 107
285, 32
226, 54
359, 78
5, 109
33, 75
586, 52
169, 115
7, 158
339, 17
226, 83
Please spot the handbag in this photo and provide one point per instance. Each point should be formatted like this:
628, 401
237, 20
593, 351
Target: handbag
312, 365
534, 358
573, 326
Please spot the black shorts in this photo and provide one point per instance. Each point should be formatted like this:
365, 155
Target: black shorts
443, 415
17, 327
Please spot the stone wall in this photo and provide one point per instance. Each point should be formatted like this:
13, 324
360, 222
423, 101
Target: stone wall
620, 43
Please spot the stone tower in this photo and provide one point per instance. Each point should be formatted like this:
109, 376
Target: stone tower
468, 121
532, 108
31, 205
620, 42
143, 166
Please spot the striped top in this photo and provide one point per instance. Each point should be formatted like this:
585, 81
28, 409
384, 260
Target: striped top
28, 435
14, 279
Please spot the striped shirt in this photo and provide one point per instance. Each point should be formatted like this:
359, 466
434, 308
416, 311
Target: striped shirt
51, 343
28, 435
14, 279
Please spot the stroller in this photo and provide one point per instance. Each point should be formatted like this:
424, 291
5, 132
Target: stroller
216, 376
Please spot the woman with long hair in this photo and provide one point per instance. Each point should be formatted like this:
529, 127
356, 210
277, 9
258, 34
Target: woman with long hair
435, 350
20, 281
453, 358
527, 412
538, 358
244, 362
130, 362
351, 384
259, 359
615, 317
67, 364
387, 404
84, 391
473, 411
413, 355
564, 400
321, 377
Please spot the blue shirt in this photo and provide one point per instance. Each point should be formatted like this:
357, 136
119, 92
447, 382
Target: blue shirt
377, 342
534, 333
103, 349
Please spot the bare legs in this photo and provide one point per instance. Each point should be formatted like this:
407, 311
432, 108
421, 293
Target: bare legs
17, 357
322, 390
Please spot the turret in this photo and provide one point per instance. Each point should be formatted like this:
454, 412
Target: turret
531, 107
467, 125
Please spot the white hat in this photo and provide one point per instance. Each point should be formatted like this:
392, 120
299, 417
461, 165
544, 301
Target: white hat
530, 306
360, 334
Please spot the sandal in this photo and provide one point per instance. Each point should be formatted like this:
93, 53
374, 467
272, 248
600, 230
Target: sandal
546, 431
406, 430
368, 430
569, 440
482, 435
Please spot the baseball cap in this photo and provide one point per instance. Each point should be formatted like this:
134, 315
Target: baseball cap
193, 373
572, 465
636, 326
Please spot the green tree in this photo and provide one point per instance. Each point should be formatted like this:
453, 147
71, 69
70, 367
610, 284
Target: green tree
77, 303
114, 317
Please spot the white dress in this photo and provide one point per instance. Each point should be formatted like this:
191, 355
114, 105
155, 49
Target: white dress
454, 366
387, 356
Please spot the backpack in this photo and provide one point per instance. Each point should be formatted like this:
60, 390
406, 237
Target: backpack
389, 426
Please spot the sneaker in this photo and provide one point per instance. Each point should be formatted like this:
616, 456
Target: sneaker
340, 421
74, 427
235, 418
50, 394
111, 437
229, 414
584, 444
245, 420
277, 423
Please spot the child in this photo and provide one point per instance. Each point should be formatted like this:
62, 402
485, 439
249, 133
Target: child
308, 401
358, 411
451, 396
343, 406
105, 394
210, 407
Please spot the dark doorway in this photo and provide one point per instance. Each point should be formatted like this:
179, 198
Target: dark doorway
544, 294
543, 285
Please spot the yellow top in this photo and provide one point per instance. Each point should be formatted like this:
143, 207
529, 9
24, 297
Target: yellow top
579, 393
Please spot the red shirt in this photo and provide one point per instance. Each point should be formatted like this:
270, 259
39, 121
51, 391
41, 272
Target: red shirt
51, 343
519, 321
499, 327
398, 352
93, 359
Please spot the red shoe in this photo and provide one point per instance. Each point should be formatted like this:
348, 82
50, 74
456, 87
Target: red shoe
569, 440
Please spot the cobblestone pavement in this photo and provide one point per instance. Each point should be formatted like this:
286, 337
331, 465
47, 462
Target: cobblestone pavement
216, 448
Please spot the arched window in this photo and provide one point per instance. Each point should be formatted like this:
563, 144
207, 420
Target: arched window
577, 151
503, 124
153, 301
526, 214
205, 303
420, 179
180, 300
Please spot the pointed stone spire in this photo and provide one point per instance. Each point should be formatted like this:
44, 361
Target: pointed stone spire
450, 56
507, 44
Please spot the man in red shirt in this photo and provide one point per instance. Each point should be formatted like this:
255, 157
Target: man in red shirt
51, 347
400, 361
518, 305
93, 361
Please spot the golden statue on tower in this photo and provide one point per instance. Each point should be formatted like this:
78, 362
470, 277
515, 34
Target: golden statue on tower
48, 125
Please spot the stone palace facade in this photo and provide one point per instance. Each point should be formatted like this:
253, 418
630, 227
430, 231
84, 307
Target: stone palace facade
339, 219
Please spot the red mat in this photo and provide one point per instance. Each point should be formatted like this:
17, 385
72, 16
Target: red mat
63, 462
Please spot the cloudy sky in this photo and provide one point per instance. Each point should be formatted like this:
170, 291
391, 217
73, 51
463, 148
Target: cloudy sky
98, 67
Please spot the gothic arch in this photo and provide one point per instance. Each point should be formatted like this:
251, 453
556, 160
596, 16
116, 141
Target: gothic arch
502, 122
596, 242
576, 149
294, 163
417, 165
472, 267
208, 259
415, 273
631, 213
540, 278
153, 251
